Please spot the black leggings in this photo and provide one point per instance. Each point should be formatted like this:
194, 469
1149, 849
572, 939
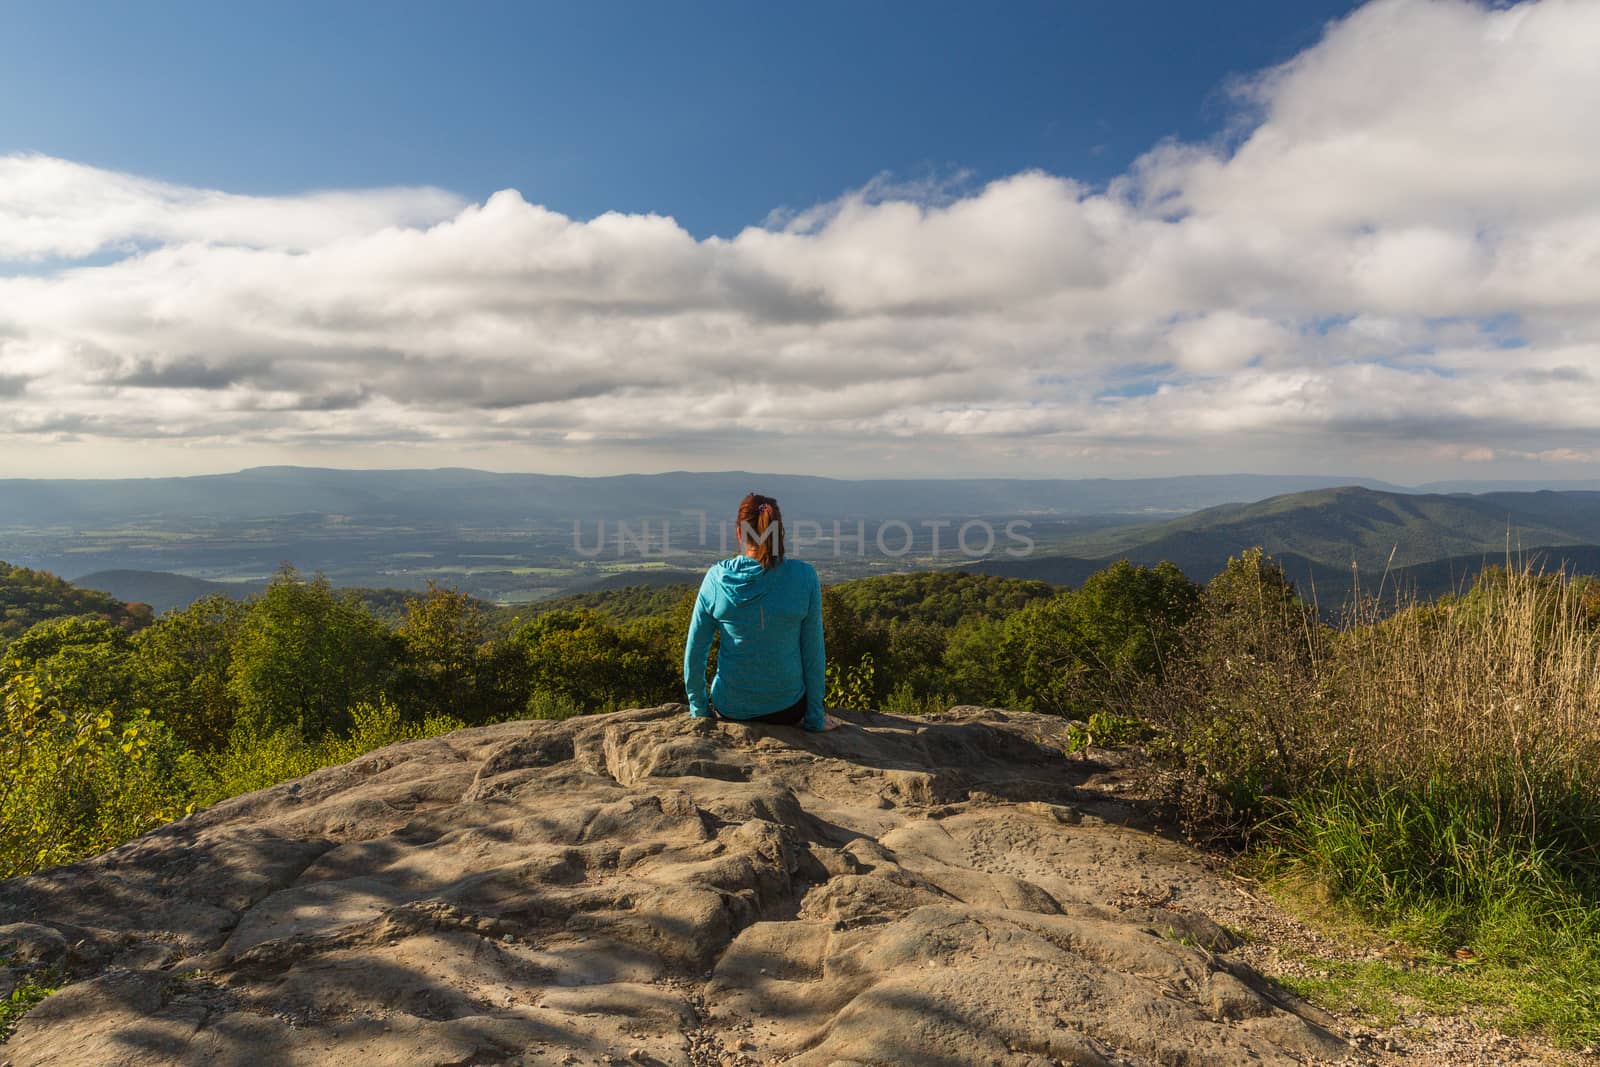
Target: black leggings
793, 715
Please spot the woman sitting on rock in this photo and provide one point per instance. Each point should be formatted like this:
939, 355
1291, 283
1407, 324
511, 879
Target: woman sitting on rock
771, 666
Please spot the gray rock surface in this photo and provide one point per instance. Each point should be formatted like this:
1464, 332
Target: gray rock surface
641, 888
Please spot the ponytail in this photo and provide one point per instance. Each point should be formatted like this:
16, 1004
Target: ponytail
762, 525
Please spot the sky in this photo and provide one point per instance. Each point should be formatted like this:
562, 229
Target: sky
1045, 240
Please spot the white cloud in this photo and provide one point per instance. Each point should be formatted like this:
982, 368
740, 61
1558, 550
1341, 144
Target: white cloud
1226, 340
1397, 258
54, 208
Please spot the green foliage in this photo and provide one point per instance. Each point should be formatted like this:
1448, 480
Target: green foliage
75, 781
1106, 729
845, 635
1128, 617
626, 604
543, 704
937, 598
974, 667
451, 662
905, 700
596, 664
255, 759
852, 685
29, 597
1077, 650
304, 655
80, 663
181, 667
907, 623
26, 995
377, 725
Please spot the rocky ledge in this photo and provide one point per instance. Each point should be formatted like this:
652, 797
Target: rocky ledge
642, 888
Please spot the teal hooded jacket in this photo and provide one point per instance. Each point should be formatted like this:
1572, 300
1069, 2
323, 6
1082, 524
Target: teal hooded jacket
771, 652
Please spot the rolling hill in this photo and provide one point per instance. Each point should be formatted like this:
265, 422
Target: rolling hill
161, 590
1353, 524
30, 596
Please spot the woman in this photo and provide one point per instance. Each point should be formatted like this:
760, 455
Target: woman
770, 665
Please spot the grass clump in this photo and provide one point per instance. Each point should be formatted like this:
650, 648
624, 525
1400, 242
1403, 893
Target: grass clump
1498, 922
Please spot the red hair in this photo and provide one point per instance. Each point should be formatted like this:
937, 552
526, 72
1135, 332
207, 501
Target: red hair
761, 523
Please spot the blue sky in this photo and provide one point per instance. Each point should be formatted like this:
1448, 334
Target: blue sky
713, 113
1075, 239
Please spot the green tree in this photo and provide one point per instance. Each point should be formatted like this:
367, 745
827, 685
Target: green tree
850, 641
1079, 650
182, 666
305, 655
582, 656
976, 665
1129, 617
443, 637
942, 598
81, 663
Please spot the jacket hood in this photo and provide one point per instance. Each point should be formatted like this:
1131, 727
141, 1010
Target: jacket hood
743, 580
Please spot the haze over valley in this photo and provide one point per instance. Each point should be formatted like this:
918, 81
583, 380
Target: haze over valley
511, 538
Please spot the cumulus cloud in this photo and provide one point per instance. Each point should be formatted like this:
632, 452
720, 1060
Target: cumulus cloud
1395, 252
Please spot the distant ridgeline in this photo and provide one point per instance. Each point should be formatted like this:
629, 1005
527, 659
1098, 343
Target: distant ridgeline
1328, 541
479, 498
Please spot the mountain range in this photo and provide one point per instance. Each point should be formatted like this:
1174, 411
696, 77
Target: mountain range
1427, 542
482, 498
399, 528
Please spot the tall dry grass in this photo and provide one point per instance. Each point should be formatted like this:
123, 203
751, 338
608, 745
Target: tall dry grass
1496, 691
1435, 765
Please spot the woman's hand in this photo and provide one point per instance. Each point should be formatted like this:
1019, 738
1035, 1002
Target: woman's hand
830, 723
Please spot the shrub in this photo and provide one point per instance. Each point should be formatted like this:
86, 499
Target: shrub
256, 759
544, 704
1242, 701
74, 782
851, 685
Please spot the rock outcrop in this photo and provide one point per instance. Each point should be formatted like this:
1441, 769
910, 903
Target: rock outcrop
642, 888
